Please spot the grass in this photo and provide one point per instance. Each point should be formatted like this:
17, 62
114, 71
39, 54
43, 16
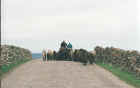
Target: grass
7, 68
123, 75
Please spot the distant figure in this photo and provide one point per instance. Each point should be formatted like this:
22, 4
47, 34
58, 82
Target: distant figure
44, 55
70, 50
64, 44
69, 46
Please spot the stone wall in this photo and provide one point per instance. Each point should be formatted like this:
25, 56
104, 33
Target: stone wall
11, 54
125, 59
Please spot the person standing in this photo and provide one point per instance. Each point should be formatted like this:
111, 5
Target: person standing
69, 46
64, 44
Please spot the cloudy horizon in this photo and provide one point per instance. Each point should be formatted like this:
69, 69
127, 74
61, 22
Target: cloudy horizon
43, 24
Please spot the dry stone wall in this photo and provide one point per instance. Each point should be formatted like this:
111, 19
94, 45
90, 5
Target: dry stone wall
127, 60
11, 54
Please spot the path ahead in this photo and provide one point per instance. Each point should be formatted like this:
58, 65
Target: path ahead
61, 74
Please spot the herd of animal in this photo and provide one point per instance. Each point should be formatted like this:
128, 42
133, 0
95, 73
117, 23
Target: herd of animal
125, 59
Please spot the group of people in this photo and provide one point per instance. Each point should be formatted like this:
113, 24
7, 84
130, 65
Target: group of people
63, 45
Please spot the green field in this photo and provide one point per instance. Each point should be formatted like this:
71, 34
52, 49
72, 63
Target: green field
123, 75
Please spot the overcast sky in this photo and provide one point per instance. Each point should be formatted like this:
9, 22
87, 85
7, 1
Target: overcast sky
43, 24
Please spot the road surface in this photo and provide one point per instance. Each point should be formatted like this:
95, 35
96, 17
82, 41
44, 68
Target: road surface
61, 74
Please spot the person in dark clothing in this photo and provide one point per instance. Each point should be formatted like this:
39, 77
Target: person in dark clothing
63, 44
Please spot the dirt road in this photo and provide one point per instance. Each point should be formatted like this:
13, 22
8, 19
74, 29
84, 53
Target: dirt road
61, 74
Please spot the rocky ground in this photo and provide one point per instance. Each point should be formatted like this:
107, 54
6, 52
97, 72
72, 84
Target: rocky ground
61, 74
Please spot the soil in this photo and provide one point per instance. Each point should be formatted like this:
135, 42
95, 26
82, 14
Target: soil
61, 74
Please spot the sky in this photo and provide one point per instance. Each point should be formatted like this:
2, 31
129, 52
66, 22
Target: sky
44, 24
